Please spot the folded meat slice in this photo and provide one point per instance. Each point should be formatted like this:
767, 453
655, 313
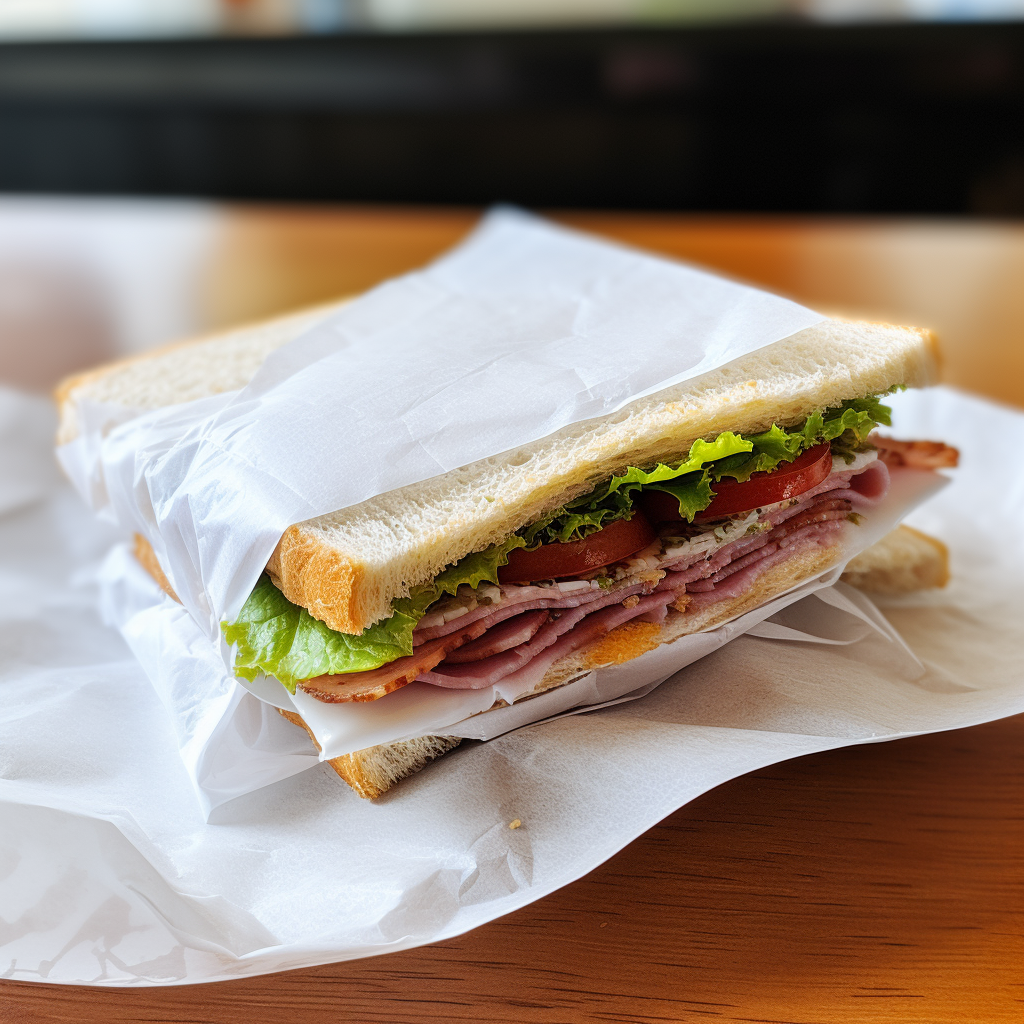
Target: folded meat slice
508, 634
816, 523
734, 584
915, 454
592, 599
577, 628
487, 672
515, 600
357, 686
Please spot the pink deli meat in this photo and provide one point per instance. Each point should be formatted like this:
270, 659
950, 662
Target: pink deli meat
513, 666
511, 633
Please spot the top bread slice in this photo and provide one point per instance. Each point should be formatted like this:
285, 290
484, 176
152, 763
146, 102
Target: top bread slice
347, 567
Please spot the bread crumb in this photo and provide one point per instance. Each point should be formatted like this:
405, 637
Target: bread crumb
603, 924
515, 823
632, 601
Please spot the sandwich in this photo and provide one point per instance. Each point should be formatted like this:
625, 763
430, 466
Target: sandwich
594, 546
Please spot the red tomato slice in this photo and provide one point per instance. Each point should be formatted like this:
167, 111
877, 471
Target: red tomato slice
731, 496
616, 541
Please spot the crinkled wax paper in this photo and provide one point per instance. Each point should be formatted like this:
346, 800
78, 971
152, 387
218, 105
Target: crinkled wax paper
111, 875
523, 329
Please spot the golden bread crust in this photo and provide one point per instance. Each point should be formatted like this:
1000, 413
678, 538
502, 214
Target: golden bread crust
319, 578
373, 771
144, 552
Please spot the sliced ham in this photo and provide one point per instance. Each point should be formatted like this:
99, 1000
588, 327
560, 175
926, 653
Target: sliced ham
915, 454
510, 633
716, 579
355, 686
514, 601
526, 671
737, 583
478, 674
593, 599
783, 539
828, 507
500, 665
868, 488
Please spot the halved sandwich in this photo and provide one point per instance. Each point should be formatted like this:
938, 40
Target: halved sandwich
521, 573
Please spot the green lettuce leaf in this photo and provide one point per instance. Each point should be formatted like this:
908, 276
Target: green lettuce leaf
691, 481
687, 481
274, 636
586, 515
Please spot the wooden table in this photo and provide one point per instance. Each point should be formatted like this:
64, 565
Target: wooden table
878, 883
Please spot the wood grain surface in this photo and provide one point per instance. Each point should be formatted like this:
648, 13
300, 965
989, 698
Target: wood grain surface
878, 883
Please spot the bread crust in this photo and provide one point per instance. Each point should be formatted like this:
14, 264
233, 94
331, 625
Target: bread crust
320, 579
144, 552
373, 771
129, 381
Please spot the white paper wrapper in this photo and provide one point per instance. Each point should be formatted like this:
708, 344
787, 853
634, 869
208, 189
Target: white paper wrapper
522, 330
114, 874
111, 875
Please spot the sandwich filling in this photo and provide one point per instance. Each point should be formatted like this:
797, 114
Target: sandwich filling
679, 536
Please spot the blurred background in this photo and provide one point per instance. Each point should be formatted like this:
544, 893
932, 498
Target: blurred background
173, 166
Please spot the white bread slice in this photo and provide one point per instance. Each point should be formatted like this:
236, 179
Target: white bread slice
903, 561
347, 567
373, 771
183, 371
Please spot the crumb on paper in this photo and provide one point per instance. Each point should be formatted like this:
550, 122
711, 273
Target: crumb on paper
603, 924
515, 823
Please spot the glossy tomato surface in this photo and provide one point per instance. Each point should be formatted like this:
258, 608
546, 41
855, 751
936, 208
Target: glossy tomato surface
731, 496
616, 541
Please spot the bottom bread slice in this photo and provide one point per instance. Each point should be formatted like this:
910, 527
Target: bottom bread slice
373, 771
